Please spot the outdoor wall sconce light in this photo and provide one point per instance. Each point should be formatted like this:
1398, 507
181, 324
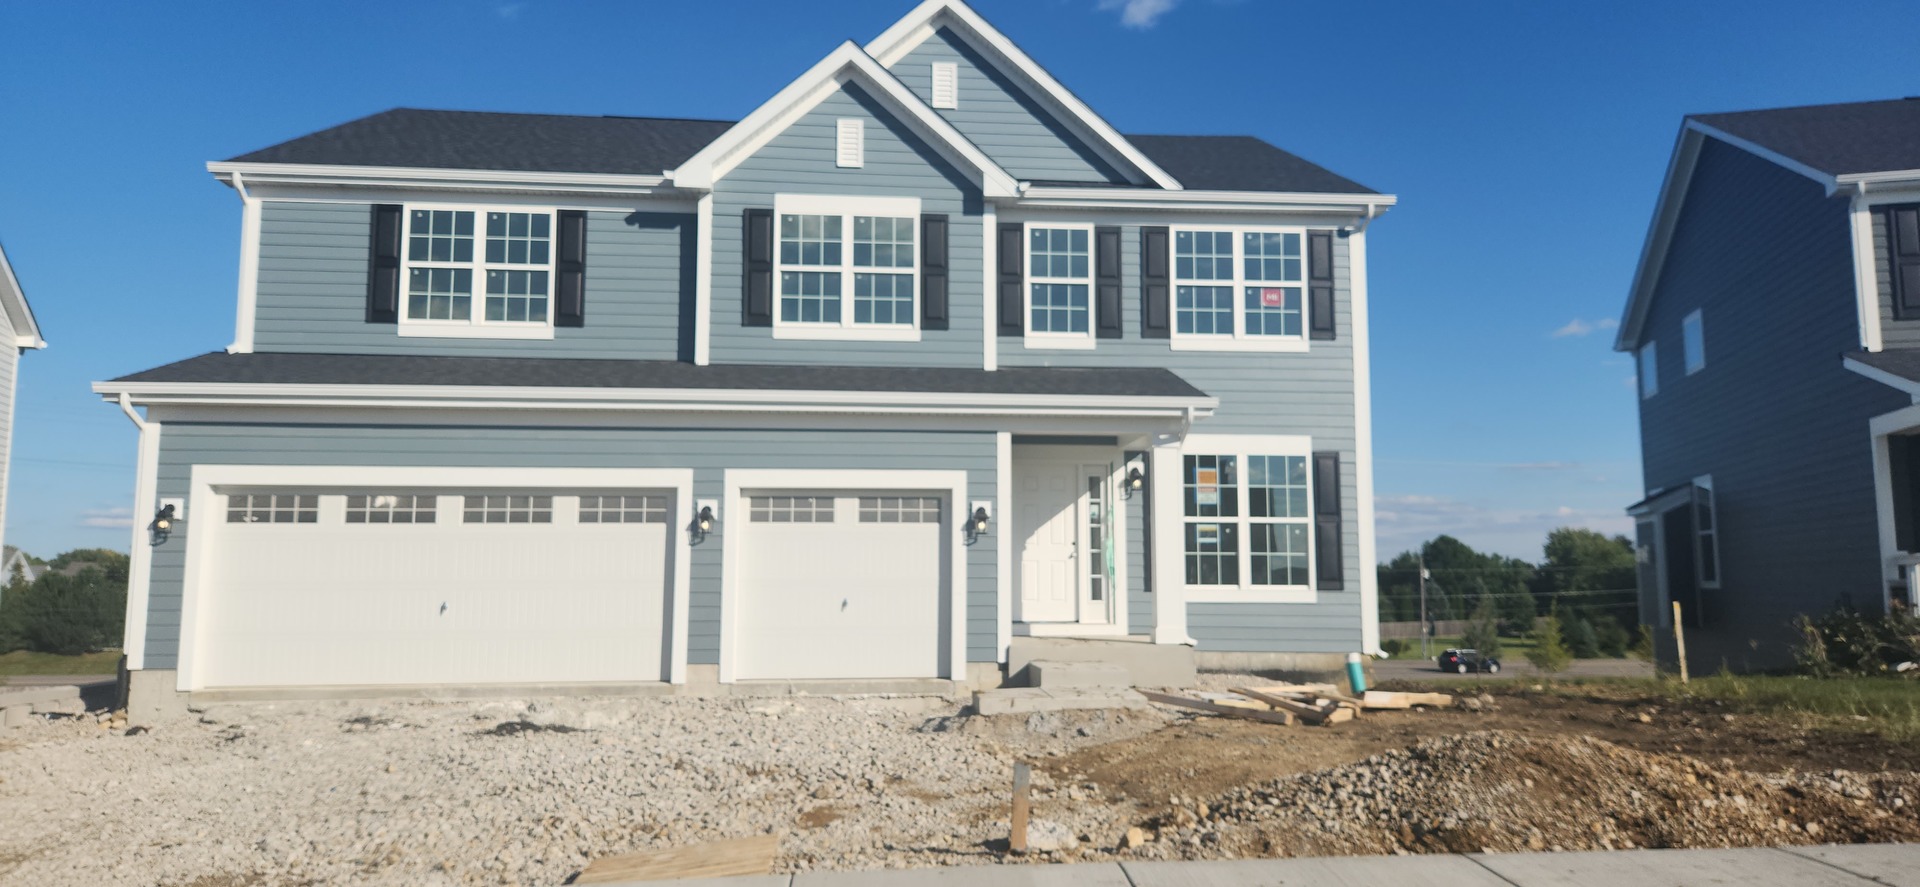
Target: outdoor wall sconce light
977, 521
162, 526
703, 519
1136, 478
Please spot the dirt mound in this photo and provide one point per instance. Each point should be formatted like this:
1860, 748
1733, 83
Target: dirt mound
1501, 791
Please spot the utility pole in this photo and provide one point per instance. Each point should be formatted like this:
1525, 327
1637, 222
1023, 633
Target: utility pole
1426, 628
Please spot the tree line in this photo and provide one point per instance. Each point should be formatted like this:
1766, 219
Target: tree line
78, 605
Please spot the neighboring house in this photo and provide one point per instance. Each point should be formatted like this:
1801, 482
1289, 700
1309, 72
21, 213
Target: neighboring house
14, 561
18, 334
1775, 323
534, 399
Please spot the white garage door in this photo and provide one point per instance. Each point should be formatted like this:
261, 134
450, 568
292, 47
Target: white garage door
840, 584
357, 587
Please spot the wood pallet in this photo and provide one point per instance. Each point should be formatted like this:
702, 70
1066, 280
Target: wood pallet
742, 856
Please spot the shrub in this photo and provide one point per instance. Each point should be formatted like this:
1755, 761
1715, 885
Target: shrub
1845, 641
65, 614
1394, 647
1581, 639
1611, 635
1483, 631
1549, 653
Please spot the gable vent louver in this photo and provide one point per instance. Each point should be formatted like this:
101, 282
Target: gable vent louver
850, 150
946, 85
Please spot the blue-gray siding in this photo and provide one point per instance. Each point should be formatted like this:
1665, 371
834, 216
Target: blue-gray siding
1308, 393
313, 289
898, 164
1000, 117
1773, 417
708, 451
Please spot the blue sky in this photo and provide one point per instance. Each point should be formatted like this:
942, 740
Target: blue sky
1525, 140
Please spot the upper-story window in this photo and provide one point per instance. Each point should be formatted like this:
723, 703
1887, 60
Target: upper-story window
1649, 371
1236, 288
474, 271
1060, 285
847, 267
1693, 340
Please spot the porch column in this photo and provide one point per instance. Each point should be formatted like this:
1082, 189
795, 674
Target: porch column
1169, 541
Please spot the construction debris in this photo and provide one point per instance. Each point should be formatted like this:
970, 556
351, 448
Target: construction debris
1382, 699
1319, 704
1247, 708
742, 856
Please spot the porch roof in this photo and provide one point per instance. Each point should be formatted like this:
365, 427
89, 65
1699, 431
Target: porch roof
1899, 367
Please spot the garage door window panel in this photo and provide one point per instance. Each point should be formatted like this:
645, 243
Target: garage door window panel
390, 508
899, 510
790, 509
509, 509
638, 509
273, 508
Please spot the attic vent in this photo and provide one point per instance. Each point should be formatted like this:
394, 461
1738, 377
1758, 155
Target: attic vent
851, 152
946, 85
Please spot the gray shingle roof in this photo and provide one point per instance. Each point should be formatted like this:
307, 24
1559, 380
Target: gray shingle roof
1902, 362
1856, 137
367, 369
411, 137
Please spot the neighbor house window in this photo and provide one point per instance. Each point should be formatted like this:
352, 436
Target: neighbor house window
1248, 518
1060, 283
1649, 371
1693, 341
477, 269
847, 267
509, 509
1239, 287
1706, 530
273, 508
390, 508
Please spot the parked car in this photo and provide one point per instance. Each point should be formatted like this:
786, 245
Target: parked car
1464, 661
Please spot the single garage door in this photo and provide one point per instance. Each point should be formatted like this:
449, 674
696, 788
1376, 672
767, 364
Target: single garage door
357, 587
840, 584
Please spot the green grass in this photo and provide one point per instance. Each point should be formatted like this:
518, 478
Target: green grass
22, 662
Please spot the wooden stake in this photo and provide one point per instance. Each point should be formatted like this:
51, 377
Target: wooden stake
1022, 776
1680, 641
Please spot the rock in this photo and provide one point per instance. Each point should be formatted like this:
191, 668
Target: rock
1134, 837
1044, 723
1047, 836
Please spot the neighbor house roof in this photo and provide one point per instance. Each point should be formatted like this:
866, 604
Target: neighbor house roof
13, 302
220, 368
486, 140
1838, 140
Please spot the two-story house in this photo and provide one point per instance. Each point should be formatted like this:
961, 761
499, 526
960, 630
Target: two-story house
919, 368
1775, 321
19, 333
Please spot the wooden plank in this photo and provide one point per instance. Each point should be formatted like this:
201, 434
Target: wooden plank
1340, 715
1233, 699
741, 856
1327, 691
1022, 778
1306, 712
1384, 699
1271, 717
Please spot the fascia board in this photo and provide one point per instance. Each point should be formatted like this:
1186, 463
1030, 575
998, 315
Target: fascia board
394, 176
1825, 179
1265, 201
13, 299
897, 40
1653, 250
1899, 383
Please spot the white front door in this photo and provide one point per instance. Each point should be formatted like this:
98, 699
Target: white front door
1047, 501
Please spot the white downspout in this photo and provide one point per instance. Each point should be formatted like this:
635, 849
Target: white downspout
140, 556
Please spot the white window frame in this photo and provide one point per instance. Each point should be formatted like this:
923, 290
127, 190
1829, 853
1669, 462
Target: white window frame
476, 326
1240, 340
1693, 342
847, 208
1046, 340
1242, 447
1703, 539
1649, 370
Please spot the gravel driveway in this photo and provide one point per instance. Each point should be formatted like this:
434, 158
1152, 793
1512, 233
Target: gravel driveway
433, 793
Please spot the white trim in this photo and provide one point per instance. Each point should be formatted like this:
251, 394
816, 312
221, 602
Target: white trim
846, 63
476, 326
1169, 557
1039, 341
205, 537
1900, 383
703, 281
140, 557
1369, 577
894, 43
1059, 196
1003, 545
846, 208
1693, 359
435, 179
990, 287
1236, 286
1866, 277
441, 329
249, 285
1887, 535
952, 483
1243, 446
13, 300
1705, 482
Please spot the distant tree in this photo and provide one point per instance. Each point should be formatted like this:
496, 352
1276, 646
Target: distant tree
110, 562
1591, 571
1549, 652
1483, 630
1611, 636
1581, 637
71, 614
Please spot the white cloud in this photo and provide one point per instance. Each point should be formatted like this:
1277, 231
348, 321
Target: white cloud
1139, 14
107, 518
1404, 522
1578, 328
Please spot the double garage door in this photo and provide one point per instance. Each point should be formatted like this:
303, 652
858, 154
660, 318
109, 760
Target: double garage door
357, 587
342, 587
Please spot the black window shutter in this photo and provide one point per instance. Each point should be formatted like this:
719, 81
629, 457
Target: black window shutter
1329, 553
383, 266
1320, 285
1013, 302
1106, 282
570, 270
756, 302
1154, 277
933, 272
1903, 258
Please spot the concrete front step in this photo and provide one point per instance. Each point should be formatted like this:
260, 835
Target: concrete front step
1027, 700
1147, 664
1053, 674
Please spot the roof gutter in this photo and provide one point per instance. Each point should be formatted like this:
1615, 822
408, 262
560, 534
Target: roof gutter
1231, 201
231, 172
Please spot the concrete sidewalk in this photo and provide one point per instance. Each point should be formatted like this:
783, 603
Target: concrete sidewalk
1852, 865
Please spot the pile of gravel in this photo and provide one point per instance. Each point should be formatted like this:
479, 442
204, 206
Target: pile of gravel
1500, 791
523, 792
